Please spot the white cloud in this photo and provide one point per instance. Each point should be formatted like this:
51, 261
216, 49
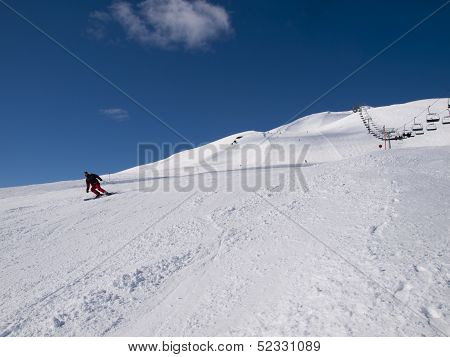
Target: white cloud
100, 15
97, 24
166, 23
116, 114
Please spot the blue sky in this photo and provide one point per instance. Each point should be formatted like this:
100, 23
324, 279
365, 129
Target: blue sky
207, 68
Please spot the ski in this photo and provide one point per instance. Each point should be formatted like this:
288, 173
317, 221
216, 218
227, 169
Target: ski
101, 196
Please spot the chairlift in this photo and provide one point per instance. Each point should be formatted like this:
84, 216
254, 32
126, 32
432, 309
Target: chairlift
417, 128
446, 119
406, 133
432, 117
431, 127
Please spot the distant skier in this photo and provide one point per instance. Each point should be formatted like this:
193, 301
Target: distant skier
92, 181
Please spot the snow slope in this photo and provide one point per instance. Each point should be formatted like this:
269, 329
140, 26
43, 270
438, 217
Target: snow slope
331, 136
364, 251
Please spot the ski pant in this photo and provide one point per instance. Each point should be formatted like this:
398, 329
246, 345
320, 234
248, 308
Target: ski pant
96, 187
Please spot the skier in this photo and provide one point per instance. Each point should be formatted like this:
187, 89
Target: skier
92, 181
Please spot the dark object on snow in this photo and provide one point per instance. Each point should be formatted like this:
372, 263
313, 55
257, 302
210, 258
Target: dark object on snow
100, 196
92, 178
235, 140
92, 181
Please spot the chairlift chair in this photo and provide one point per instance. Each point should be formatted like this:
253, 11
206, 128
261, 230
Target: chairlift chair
446, 119
417, 128
431, 127
432, 117
407, 133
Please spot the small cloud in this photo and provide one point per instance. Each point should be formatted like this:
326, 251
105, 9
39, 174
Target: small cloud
100, 16
116, 114
165, 23
97, 26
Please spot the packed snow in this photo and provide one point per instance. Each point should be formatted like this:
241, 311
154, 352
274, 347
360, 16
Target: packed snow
239, 238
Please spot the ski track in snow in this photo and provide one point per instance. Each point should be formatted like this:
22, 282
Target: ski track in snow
226, 263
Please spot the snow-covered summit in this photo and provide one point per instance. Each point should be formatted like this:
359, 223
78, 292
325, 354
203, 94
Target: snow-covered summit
330, 136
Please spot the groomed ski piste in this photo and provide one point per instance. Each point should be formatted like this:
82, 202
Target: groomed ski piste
348, 240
